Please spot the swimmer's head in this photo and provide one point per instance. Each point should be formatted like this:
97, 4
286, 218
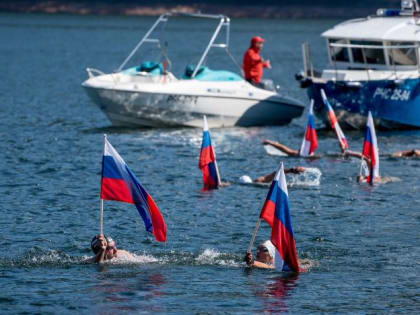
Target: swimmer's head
110, 242
266, 252
245, 179
111, 248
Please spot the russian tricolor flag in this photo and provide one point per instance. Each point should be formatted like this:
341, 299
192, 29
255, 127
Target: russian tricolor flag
370, 149
118, 183
310, 140
207, 163
276, 213
334, 122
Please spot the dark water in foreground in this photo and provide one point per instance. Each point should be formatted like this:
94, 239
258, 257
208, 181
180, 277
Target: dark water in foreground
364, 241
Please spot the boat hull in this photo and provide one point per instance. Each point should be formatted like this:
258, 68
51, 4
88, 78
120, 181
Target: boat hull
394, 104
142, 109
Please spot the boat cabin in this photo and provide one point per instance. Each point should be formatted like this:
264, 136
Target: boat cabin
362, 54
389, 40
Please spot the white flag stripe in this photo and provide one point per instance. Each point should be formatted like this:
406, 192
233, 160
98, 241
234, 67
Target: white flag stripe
206, 126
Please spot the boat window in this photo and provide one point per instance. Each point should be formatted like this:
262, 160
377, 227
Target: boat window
339, 53
372, 55
402, 56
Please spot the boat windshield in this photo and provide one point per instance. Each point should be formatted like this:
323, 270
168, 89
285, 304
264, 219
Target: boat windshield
339, 53
373, 53
368, 55
402, 56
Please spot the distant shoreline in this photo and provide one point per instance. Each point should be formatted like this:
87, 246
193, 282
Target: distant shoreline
129, 9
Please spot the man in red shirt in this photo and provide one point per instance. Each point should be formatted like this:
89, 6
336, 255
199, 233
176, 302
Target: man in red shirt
253, 64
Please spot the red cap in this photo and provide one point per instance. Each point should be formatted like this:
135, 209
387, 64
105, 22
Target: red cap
257, 39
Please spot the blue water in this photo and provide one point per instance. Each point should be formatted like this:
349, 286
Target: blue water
363, 241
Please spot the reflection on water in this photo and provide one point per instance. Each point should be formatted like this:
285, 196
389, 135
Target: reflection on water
130, 291
273, 291
277, 292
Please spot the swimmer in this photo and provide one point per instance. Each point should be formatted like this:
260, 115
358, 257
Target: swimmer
105, 248
398, 154
406, 153
378, 180
265, 257
269, 177
285, 149
356, 154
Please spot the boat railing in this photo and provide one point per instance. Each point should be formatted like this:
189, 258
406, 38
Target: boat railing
161, 19
343, 45
224, 23
91, 72
308, 67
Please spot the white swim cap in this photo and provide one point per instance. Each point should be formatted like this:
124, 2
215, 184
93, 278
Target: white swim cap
271, 249
245, 179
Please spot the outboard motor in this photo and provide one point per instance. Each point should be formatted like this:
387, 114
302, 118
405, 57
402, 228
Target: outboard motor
267, 84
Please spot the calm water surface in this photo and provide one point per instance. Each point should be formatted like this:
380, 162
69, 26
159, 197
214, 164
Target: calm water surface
364, 241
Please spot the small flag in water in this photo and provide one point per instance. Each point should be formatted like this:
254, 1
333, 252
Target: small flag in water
207, 163
310, 140
276, 213
370, 149
118, 183
334, 122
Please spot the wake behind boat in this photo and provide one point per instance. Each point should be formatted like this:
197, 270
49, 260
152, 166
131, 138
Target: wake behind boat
149, 95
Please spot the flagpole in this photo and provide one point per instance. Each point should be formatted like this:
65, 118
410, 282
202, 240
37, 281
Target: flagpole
251, 243
219, 181
101, 204
361, 166
101, 215
339, 139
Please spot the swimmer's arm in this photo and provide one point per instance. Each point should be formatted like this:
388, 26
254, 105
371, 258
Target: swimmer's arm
281, 147
294, 170
266, 178
253, 263
355, 154
258, 264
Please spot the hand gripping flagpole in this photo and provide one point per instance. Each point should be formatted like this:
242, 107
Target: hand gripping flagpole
101, 207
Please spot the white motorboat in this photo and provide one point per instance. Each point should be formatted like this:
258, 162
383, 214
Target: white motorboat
149, 95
